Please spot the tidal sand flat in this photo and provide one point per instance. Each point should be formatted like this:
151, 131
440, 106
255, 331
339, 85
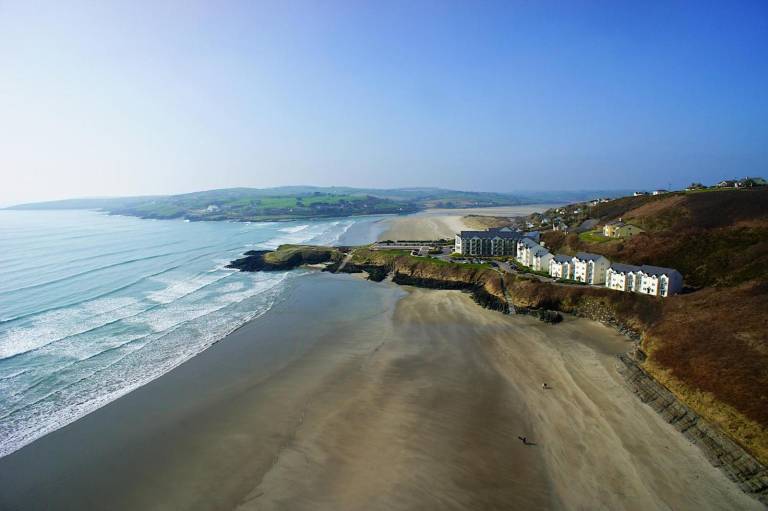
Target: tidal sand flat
445, 223
353, 395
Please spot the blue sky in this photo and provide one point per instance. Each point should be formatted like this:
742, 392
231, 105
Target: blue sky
125, 98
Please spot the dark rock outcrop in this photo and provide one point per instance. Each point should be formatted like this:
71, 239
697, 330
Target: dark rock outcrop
545, 315
375, 273
290, 258
253, 261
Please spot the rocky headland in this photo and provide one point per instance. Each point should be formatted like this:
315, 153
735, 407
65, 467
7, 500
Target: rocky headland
286, 257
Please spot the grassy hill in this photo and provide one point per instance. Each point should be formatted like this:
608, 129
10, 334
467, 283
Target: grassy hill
296, 202
256, 207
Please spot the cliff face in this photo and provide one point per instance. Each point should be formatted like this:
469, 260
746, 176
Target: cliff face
485, 285
629, 313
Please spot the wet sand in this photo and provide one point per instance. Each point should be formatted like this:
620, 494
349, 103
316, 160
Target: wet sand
445, 223
354, 395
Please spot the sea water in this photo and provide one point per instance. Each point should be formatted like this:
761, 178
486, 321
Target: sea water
93, 306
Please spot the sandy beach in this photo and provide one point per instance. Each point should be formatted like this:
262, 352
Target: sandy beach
432, 419
445, 223
355, 395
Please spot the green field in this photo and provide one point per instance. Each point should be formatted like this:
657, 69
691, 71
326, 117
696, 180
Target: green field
594, 237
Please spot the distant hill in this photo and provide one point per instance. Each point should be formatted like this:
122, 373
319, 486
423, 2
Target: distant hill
83, 203
294, 202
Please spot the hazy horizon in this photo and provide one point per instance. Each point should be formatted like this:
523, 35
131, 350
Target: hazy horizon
143, 98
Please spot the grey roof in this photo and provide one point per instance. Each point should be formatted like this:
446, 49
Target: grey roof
615, 222
491, 234
588, 224
624, 268
562, 258
587, 256
533, 235
530, 243
658, 270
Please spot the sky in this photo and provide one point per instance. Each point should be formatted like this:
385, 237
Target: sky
132, 98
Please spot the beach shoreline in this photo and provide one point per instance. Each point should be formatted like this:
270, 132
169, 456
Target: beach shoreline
349, 394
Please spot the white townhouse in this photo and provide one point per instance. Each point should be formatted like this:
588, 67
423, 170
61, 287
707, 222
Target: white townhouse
561, 267
541, 259
525, 251
623, 277
590, 268
645, 279
658, 281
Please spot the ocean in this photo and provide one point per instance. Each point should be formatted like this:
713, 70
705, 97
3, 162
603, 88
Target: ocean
93, 306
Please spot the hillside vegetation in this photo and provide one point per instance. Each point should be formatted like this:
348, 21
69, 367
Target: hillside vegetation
717, 238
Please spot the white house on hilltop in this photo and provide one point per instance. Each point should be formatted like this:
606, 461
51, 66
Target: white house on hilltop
561, 267
590, 268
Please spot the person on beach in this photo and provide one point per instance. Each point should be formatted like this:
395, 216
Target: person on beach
544, 385
523, 439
